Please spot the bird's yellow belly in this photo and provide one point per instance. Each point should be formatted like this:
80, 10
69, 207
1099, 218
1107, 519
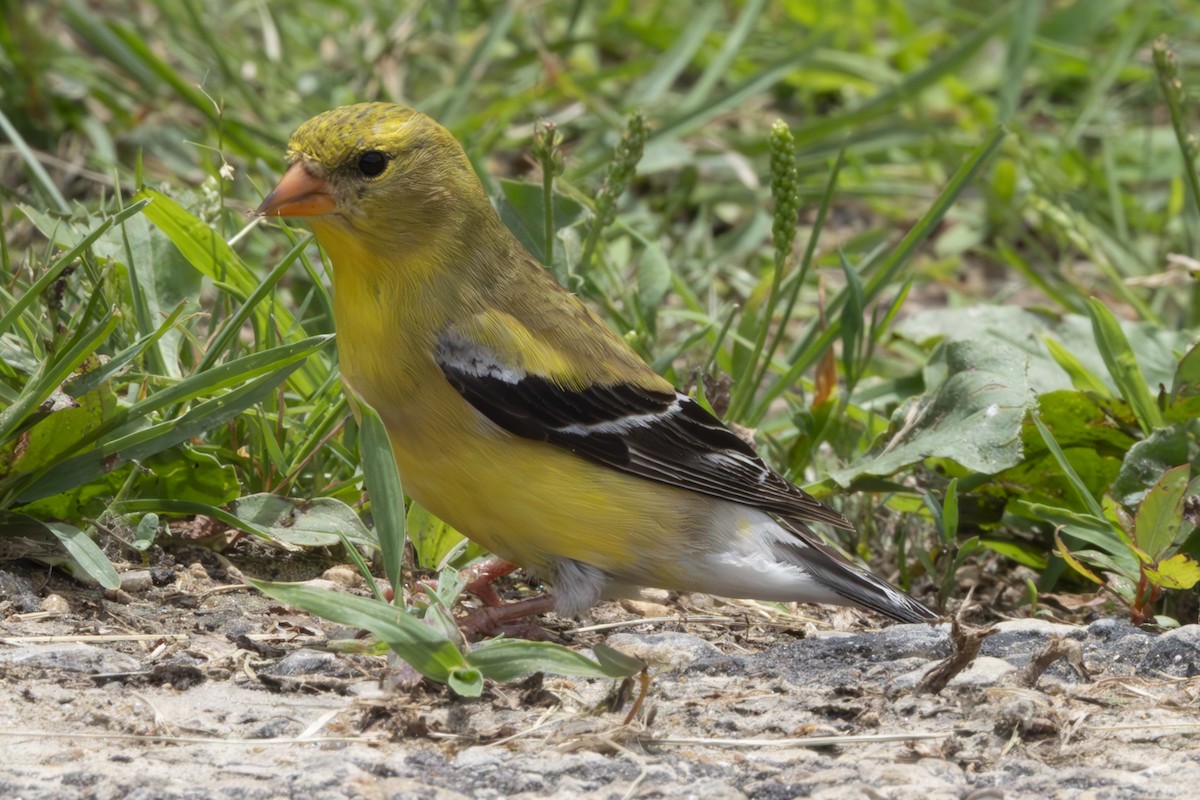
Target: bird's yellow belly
531, 502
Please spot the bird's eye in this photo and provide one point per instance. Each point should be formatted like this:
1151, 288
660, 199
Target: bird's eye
372, 163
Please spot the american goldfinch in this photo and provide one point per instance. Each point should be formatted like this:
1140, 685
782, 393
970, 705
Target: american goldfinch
516, 415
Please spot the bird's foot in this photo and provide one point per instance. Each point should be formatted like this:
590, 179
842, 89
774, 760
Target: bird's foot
508, 619
478, 579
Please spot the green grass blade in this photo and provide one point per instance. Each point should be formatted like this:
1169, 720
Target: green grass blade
675, 60
718, 68
425, 650
1123, 367
37, 173
387, 496
1077, 485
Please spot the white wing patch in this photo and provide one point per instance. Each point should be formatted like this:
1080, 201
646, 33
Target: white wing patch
626, 423
470, 358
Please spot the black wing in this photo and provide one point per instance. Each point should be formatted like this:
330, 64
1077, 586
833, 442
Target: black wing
662, 436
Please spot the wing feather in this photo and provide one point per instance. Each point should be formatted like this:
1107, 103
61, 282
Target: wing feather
663, 436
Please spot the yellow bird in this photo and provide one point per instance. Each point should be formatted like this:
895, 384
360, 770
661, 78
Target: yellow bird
516, 415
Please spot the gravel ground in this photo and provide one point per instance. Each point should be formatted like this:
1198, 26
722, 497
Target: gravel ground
194, 690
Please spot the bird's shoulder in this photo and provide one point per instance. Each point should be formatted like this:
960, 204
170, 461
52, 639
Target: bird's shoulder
532, 326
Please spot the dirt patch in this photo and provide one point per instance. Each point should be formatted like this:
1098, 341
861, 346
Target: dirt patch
195, 689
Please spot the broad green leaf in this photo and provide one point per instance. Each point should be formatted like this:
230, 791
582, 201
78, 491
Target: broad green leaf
86, 500
523, 209
86, 553
419, 645
434, 541
319, 522
1187, 375
1032, 333
508, 659
1160, 515
615, 662
1147, 460
41, 445
653, 280
466, 681
1157, 348
44, 540
1184, 409
184, 473
1081, 421
146, 532
972, 414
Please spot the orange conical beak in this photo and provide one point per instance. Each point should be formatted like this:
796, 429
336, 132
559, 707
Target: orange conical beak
298, 194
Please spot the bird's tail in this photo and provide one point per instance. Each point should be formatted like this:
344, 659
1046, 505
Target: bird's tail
856, 587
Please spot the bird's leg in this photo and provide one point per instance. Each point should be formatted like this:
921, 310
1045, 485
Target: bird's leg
508, 618
478, 579
496, 616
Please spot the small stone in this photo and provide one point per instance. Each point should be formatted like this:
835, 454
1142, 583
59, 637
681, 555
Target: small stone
1041, 627
984, 671
55, 604
162, 576
644, 609
343, 575
662, 596
136, 581
313, 662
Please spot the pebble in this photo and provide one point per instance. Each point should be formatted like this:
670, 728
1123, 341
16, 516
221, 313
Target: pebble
344, 575
645, 609
55, 604
136, 581
984, 671
313, 662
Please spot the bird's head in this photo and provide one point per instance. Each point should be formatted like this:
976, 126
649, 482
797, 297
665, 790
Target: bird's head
378, 173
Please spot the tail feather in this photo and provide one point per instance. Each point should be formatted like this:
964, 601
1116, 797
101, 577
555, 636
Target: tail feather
858, 588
